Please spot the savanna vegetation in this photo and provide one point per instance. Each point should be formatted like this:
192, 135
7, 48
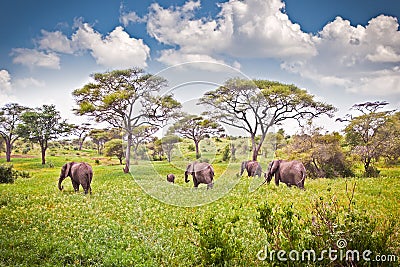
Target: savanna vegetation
134, 217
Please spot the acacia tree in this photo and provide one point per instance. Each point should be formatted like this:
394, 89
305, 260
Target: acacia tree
10, 117
125, 99
101, 136
392, 144
195, 128
142, 134
255, 106
114, 148
43, 125
322, 155
82, 131
366, 134
168, 144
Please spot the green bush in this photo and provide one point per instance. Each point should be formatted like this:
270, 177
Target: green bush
22, 174
6, 174
218, 245
226, 153
372, 172
330, 224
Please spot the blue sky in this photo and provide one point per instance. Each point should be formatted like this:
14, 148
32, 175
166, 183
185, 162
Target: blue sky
344, 52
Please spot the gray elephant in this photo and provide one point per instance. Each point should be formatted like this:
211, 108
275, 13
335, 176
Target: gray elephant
202, 173
171, 178
252, 167
81, 174
288, 172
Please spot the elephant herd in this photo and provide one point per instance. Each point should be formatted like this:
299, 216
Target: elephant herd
288, 172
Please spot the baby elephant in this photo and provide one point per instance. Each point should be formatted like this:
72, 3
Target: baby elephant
171, 178
81, 174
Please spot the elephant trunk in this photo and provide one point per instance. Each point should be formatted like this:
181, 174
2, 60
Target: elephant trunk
186, 177
59, 184
268, 177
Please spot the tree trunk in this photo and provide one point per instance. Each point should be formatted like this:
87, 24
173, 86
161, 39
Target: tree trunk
128, 154
196, 143
43, 155
8, 150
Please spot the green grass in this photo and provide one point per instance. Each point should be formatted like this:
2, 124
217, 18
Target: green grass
119, 224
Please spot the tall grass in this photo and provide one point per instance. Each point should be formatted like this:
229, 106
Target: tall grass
120, 224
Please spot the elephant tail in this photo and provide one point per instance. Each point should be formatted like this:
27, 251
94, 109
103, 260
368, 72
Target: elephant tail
303, 177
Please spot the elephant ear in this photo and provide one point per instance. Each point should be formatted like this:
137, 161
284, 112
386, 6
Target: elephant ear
68, 169
274, 166
190, 168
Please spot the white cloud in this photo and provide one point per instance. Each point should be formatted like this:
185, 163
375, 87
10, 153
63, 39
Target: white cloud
6, 88
34, 58
380, 83
359, 59
252, 28
354, 58
126, 18
384, 54
56, 42
117, 49
173, 57
5, 80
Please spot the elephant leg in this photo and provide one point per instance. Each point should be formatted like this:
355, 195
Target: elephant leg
75, 185
85, 189
210, 185
195, 182
276, 181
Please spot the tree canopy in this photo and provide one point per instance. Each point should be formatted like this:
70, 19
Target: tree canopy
10, 118
125, 99
42, 125
196, 128
255, 106
367, 133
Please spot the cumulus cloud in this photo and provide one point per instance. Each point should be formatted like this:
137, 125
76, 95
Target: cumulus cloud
359, 59
252, 28
56, 41
34, 58
115, 50
6, 95
129, 17
356, 58
5, 80
173, 57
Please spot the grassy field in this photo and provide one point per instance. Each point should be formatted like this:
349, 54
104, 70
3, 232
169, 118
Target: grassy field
123, 222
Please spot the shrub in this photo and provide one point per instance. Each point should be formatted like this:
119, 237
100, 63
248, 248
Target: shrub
26, 150
226, 153
217, 244
22, 174
6, 174
331, 223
